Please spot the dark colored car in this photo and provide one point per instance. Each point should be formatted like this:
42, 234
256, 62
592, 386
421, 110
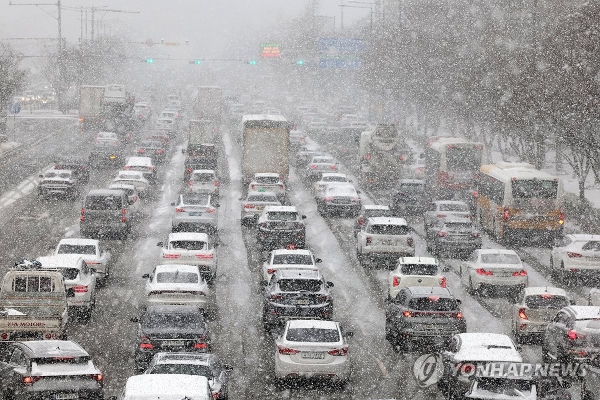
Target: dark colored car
297, 294
453, 236
424, 315
107, 150
105, 212
207, 365
154, 149
409, 197
49, 369
80, 168
280, 226
573, 335
170, 328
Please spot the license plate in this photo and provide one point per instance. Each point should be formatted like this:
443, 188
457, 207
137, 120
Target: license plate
194, 214
312, 355
173, 343
387, 242
260, 207
66, 396
302, 302
431, 327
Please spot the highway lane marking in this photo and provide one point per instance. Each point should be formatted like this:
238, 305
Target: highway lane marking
139, 267
382, 368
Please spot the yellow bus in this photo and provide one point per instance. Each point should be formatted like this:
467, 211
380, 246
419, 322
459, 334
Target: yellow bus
517, 199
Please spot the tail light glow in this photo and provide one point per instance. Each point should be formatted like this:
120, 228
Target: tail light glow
481, 271
338, 352
368, 239
522, 314
520, 273
80, 289
286, 350
573, 255
396, 281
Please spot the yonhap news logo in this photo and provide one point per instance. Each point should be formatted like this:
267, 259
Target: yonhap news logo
428, 369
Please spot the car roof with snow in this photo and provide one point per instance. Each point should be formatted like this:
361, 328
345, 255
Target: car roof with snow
280, 209
582, 237
418, 260
189, 236
311, 323
54, 348
541, 290
290, 251
145, 161
79, 241
486, 347
387, 221
61, 261
266, 175
176, 267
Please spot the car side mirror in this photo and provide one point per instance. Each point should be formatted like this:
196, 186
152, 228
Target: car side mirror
458, 301
159, 244
172, 204
318, 260
348, 334
134, 319
573, 302
329, 284
146, 276
304, 217
445, 268
41, 176
182, 151
358, 192
217, 205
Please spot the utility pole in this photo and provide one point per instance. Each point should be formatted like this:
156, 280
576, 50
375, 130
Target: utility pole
93, 9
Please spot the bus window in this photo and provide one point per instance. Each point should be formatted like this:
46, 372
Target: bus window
460, 158
534, 189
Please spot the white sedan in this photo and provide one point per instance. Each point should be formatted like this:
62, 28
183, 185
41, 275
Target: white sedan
268, 182
312, 349
177, 285
415, 271
328, 178
288, 259
494, 268
135, 178
576, 255
96, 257
191, 248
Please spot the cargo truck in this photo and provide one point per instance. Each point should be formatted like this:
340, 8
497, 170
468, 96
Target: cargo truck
91, 107
201, 150
209, 103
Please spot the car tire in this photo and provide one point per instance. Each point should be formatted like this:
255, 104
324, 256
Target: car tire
470, 289
565, 279
553, 270
518, 337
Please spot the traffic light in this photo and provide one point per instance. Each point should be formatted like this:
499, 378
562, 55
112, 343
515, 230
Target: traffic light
300, 62
197, 62
149, 60
252, 62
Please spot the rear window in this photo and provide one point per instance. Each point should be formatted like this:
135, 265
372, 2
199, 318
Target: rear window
304, 259
591, 246
534, 189
454, 207
313, 335
203, 177
33, 284
546, 300
378, 213
194, 199
188, 245
334, 179
433, 303
61, 360
76, 249
267, 179
176, 277
282, 216
419, 269
69, 273
381, 229
263, 198
300, 285
500, 259
517, 388
103, 203
341, 191
185, 369
172, 320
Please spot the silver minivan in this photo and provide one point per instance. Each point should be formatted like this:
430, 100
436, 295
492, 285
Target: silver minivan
105, 212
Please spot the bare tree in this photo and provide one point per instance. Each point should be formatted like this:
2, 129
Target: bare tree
11, 80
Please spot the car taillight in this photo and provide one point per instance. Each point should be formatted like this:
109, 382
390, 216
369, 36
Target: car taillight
312, 166
4, 336
368, 239
271, 271
396, 281
80, 289
520, 273
561, 218
82, 217
147, 346
573, 255
367, 157
522, 314
333, 167
442, 233
30, 380
171, 256
281, 186
179, 209
327, 198
361, 220
481, 271
275, 297
443, 282
201, 343
407, 314
505, 214
458, 315
440, 216
191, 183
286, 350
211, 211
97, 377
141, 151
338, 352
252, 187
574, 335
124, 215
216, 183
410, 242
189, 170
204, 256
159, 151
475, 234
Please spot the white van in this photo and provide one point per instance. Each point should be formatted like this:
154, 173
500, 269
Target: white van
165, 387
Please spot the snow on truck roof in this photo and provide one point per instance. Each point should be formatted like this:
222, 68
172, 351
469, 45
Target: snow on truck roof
439, 143
263, 117
505, 171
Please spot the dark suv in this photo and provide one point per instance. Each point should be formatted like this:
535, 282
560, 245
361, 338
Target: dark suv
49, 369
422, 314
409, 197
105, 212
573, 335
280, 226
297, 294
80, 168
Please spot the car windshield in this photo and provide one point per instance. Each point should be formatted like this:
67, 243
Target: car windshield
69, 273
76, 249
300, 285
103, 203
500, 259
546, 300
313, 335
412, 187
267, 179
341, 191
172, 320
152, 145
334, 179
185, 369
508, 387
282, 216
378, 213
323, 160
176, 277
204, 178
454, 207
262, 198
62, 360
389, 229
194, 199
433, 303
304, 259
419, 269
129, 176
188, 245
459, 226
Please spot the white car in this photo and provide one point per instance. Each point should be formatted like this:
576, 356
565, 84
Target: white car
494, 268
80, 282
312, 349
143, 165
415, 271
576, 255
95, 256
288, 259
135, 205
269, 182
204, 181
319, 165
384, 239
535, 307
166, 124
445, 209
191, 248
255, 203
177, 285
135, 178
327, 178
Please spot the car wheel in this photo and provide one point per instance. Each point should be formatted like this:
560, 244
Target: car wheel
553, 271
517, 335
470, 289
565, 279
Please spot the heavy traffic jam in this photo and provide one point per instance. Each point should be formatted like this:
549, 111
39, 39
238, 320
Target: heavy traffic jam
304, 251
